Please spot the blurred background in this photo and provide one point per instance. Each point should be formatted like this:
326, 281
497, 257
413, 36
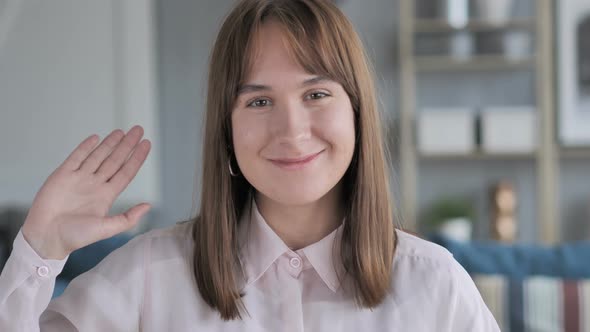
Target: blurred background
486, 105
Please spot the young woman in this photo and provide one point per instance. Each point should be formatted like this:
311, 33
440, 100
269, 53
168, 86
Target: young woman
296, 229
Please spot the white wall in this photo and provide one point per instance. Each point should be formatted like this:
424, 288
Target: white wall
186, 32
69, 69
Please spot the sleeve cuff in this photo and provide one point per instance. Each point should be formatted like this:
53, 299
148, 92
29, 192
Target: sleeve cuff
35, 264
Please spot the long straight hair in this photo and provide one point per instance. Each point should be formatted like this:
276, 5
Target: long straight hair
323, 42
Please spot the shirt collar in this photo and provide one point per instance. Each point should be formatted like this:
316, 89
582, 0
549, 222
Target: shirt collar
260, 247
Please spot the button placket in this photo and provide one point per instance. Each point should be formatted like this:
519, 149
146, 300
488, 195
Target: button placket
295, 262
43, 271
295, 265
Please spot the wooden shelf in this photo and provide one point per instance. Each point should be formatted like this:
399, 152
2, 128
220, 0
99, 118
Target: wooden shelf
478, 156
546, 159
474, 63
565, 153
442, 26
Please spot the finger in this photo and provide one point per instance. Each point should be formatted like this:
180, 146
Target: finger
91, 164
80, 153
113, 163
124, 176
123, 222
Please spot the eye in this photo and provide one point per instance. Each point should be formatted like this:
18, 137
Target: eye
317, 95
258, 103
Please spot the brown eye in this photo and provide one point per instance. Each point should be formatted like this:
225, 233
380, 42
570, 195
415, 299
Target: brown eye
259, 103
317, 95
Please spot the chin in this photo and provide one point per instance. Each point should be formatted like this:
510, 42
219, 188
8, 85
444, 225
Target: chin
296, 194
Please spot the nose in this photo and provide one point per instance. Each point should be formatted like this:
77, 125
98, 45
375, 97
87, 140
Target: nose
291, 122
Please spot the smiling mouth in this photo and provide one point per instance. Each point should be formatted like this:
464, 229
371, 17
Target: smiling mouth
295, 163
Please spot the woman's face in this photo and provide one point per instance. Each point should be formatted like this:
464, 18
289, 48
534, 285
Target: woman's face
293, 132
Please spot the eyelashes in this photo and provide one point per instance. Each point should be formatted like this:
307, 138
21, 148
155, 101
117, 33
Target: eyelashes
263, 102
255, 102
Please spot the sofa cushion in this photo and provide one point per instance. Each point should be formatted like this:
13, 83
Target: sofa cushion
60, 286
568, 260
87, 257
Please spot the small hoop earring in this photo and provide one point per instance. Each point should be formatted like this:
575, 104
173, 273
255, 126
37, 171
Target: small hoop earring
231, 171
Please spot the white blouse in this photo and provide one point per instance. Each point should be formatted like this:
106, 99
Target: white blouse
148, 285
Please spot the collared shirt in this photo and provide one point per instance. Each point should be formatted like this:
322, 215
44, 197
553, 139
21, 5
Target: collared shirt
148, 285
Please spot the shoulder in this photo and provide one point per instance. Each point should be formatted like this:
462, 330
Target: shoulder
424, 269
426, 275
171, 242
175, 239
422, 252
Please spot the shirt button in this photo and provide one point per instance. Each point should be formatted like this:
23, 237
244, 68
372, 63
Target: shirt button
43, 271
295, 262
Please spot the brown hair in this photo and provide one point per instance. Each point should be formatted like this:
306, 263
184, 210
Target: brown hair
323, 42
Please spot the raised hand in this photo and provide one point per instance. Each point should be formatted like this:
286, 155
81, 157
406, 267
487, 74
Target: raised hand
70, 210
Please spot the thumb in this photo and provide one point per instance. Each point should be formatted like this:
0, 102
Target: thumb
122, 222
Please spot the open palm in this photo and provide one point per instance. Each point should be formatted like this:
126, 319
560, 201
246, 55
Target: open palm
70, 210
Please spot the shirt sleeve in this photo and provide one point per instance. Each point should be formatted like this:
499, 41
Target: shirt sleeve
468, 310
106, 298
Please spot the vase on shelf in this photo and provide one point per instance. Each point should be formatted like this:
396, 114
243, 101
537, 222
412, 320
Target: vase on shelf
517, 44
458, 229
461, 45
452, 218
454, 12
504, 212
493, 11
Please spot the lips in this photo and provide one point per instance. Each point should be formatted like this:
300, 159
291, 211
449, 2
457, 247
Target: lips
295, 163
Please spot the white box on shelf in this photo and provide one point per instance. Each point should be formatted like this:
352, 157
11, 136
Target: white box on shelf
509, 129
446, 131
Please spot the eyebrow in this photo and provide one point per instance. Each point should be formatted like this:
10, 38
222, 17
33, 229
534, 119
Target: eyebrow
258, 87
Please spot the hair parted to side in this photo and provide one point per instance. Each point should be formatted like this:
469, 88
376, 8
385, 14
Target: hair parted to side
323, 42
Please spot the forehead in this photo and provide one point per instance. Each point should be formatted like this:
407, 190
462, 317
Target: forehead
271, 53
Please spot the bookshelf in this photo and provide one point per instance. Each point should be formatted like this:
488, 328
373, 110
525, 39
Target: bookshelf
547, 155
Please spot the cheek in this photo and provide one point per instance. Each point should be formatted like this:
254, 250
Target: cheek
248, 136
336, 126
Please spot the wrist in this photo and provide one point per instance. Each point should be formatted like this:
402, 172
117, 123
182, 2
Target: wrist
42, 247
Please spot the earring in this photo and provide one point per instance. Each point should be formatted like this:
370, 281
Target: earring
231, 171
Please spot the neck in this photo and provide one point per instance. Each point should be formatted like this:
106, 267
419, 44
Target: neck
301, 225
